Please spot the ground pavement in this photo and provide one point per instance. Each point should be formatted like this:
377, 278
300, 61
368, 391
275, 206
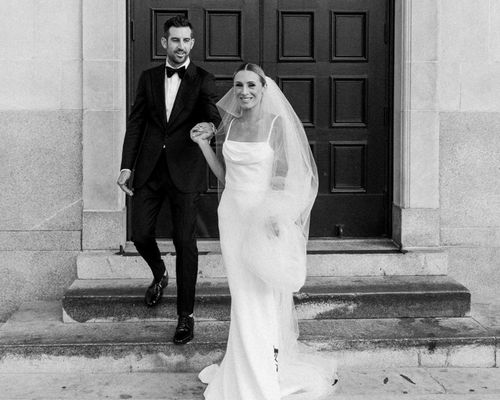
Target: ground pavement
391, 384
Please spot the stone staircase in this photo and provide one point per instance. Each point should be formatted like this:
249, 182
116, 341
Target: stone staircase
346, 279
365, 302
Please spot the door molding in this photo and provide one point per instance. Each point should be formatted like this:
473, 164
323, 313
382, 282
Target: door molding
104, 82
416, 135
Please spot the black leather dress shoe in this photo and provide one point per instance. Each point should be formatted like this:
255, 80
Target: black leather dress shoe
185, 330
155, 292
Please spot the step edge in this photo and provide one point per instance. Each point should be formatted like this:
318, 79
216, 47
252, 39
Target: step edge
300, 294
414, 341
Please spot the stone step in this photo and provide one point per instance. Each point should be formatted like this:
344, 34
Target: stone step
348, 259
321, 298
35, 339
330, 245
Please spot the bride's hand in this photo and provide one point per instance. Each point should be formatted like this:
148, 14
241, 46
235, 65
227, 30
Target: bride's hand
199, 135
202, 132
272, 227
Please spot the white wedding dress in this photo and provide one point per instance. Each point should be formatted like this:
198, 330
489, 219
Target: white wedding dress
254, 367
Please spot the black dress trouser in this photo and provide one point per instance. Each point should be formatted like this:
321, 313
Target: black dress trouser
146, 205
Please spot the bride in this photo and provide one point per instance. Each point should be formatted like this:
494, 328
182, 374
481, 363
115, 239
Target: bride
270, 184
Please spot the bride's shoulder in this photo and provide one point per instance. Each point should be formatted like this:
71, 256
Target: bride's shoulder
270, 116
274, 122
271, 119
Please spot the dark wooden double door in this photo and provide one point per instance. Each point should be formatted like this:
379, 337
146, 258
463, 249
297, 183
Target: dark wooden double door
332, 60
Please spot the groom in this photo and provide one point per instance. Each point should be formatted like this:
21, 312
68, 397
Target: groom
171, 99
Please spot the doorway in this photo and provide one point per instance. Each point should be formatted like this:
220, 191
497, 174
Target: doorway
331, 58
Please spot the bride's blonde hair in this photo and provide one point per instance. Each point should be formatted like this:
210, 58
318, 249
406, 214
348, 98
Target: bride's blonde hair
254, 68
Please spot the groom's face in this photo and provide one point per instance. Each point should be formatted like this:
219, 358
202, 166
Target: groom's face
178, 44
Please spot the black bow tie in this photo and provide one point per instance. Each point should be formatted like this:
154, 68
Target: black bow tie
180, 71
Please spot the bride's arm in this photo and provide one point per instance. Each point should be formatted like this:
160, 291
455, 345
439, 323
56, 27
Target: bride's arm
212, 160
209, 154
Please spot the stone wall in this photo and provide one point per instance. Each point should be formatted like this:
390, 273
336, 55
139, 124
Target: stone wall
41, 142
468, 65
104, 45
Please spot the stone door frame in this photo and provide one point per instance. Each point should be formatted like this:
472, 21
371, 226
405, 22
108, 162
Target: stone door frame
415, 214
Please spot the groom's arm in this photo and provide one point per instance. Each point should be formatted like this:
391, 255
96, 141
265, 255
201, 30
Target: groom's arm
207, 100
135, 126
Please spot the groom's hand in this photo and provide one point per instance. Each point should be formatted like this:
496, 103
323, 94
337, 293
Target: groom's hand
123, 180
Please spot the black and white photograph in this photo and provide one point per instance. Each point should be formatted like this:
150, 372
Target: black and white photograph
250, 199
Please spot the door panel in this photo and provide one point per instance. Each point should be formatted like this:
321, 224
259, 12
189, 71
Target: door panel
330, 58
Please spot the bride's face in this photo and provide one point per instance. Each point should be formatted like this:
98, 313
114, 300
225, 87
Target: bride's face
248, 89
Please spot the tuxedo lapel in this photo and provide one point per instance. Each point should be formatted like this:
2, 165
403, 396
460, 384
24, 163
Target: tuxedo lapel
183, 93
158, 89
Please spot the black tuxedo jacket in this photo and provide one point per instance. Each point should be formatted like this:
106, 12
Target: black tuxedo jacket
148, 132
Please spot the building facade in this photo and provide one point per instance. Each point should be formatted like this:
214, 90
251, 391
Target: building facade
63, 107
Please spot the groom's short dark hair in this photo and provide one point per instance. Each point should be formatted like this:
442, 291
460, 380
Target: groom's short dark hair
178, 21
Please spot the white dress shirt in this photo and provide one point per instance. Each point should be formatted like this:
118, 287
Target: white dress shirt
172, 87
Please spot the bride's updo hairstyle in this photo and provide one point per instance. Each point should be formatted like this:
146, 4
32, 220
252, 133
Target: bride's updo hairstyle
254, 68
